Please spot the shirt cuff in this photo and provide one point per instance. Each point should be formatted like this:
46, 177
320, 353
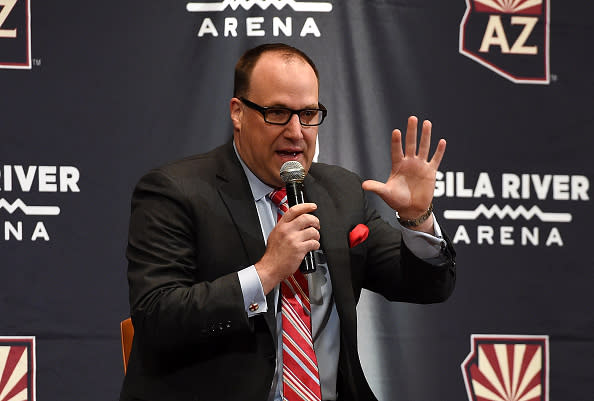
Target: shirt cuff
422, 245
254, 299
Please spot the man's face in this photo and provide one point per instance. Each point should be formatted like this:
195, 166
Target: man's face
276, 81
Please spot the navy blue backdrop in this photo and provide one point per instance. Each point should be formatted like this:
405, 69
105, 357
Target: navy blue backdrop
92, 95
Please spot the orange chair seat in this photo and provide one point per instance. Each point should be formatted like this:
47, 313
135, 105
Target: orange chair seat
127, 335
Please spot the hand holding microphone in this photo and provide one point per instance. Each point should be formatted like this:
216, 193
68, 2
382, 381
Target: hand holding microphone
292, 173
291, 243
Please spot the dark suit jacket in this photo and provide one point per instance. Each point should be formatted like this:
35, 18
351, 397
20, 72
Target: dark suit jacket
193, 226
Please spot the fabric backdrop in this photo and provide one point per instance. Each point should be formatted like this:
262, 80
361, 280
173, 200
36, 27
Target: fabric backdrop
93, 94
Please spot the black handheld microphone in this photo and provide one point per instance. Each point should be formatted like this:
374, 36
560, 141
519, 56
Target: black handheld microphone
292, 173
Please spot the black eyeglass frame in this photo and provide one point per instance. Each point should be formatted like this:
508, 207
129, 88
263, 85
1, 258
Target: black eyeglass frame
263, 111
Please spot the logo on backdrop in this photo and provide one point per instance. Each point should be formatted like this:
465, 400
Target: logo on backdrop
503, 367
223, 19
508, 37
24, 218
526, 202
17, 368
15, 34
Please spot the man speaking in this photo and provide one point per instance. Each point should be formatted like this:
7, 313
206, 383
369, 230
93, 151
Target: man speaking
220, 308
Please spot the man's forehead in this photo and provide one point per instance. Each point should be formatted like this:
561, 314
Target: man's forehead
272, 68
278, 58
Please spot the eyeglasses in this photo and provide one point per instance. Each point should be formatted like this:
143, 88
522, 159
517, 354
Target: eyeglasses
282, 115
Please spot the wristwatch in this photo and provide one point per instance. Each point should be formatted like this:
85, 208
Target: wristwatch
418, 221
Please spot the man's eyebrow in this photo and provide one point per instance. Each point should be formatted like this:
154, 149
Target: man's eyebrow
284, 106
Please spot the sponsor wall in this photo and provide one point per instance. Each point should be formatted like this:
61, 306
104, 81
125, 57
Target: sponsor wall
93, 95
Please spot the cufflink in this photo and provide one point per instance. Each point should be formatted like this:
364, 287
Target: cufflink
254, 307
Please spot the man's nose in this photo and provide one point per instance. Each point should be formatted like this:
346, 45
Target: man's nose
293, 127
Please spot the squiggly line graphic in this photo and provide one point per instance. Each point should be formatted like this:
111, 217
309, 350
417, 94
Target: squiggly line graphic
304, 6
507, 210
29, 210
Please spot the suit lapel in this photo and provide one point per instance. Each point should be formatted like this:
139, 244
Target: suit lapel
334, 243
235, 192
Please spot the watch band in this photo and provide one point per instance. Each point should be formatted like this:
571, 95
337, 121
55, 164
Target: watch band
418, 221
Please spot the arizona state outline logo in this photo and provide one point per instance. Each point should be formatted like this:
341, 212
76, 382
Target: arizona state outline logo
510, 37
17, 368
507, 368
15, 34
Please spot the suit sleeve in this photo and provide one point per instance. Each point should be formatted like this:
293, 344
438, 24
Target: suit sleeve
169, 306
391, 269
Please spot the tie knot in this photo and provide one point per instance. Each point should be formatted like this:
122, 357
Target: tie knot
279, 198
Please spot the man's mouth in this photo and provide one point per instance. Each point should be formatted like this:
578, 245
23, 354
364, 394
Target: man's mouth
285, 153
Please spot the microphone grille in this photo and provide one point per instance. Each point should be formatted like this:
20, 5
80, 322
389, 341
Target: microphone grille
292, 171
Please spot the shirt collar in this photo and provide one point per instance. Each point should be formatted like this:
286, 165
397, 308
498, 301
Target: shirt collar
259, 189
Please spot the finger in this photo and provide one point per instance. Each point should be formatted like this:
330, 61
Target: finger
312, 245
298, 210
307, 220
425, 142
439, 152
380, 189
299, 239
373, 186
305, 239
396, 148
310, 233
411, 137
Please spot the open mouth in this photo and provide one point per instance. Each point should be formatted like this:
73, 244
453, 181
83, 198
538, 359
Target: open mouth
283, 153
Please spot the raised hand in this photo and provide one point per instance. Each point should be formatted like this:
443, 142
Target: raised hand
410, 185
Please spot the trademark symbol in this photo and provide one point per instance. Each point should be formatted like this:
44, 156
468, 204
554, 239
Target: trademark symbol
554, 78
36, 62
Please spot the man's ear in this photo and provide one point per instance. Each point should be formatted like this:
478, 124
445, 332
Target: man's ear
236, 112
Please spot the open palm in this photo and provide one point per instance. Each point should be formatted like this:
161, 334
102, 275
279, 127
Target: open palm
409, 188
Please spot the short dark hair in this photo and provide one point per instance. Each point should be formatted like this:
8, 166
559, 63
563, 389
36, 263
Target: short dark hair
246, 63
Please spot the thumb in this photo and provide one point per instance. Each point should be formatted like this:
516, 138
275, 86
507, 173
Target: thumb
373, 186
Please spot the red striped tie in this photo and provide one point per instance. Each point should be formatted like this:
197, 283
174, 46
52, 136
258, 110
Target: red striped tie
301, 380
